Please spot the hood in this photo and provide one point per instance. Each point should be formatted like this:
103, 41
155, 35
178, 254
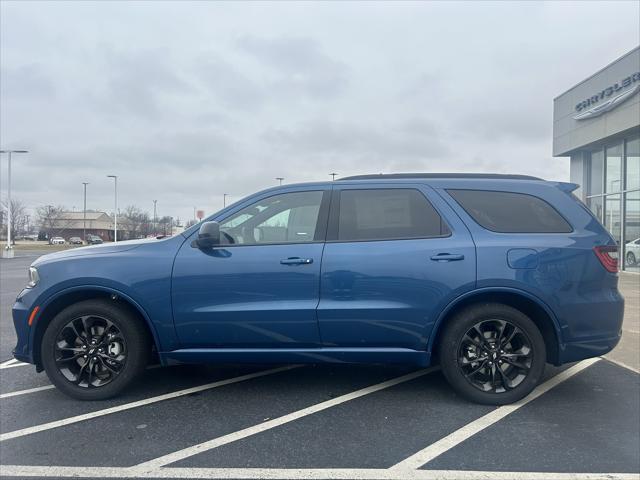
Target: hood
104, 248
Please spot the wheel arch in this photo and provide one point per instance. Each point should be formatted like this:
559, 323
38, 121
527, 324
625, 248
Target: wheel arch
67, 297
530, 305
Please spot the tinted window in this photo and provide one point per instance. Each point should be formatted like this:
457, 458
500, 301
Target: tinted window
387, 214
508, 212
286, 218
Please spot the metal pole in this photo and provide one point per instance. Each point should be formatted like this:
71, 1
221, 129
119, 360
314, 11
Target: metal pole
84, 213
115, 211
280, 179
224, 199
333, 176
9, 205
9, 213
155, 220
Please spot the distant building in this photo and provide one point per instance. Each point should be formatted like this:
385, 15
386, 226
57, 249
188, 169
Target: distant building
73, 224
597, 124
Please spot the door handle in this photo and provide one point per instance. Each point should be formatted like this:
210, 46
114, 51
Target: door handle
296, 261
447, 257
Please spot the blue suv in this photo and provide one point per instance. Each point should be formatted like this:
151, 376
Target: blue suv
491, 276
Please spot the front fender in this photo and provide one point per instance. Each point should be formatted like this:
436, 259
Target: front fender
35, 333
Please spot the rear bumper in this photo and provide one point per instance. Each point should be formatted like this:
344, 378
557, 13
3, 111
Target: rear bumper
574, 351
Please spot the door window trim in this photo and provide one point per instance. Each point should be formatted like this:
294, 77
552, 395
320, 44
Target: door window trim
334, 215
321, 225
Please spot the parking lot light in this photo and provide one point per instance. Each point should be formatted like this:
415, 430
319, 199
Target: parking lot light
8, 247
115, 211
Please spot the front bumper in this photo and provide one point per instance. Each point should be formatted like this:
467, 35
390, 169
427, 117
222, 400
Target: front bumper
20, 313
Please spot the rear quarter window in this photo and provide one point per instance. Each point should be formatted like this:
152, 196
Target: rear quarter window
510, 212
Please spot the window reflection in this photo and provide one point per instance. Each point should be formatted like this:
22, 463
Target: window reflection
613, 181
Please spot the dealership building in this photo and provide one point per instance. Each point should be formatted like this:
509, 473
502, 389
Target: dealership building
597, 124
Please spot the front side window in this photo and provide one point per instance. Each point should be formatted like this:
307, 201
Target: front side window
509, 212
387, 214
285, 218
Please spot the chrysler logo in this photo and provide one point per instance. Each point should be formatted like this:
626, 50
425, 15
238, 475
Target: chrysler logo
604, 101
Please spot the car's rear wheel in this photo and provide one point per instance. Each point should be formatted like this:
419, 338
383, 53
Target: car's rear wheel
492, 354
94, 349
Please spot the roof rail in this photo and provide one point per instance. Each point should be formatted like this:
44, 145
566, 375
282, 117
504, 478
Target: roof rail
384, 176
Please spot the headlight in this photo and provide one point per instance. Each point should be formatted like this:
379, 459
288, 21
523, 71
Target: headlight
34, 278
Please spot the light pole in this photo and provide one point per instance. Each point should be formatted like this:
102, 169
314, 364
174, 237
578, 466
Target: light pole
115, 211
333, 176
224, 199
84, 213
280, 179
9, 152
155, 221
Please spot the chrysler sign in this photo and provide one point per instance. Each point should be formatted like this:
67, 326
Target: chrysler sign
609, 98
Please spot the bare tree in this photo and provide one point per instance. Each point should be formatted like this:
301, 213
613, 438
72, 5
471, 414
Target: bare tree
18, 218
49, 219
139, 222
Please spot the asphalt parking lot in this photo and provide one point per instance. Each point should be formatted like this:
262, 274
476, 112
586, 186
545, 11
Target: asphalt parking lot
321, 422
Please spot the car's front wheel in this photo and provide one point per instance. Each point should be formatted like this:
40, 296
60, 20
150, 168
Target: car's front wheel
95, 348
631, 259
492, 354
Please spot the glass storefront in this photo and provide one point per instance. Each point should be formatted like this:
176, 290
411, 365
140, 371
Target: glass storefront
613, 195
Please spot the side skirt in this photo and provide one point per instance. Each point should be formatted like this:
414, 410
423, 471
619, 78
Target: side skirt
297, 355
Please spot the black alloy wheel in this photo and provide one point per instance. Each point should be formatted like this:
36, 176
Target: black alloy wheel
495, 356
93, 349
90, 351
492, 353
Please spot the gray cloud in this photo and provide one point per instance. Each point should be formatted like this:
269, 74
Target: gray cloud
187, 101
300, 65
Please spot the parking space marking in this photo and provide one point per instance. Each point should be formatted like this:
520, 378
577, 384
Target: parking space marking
299, 474
424, 456
12, 363
621, 364
147, 401
24, 392
261, 427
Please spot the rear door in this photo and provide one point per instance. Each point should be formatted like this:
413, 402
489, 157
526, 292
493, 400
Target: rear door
396, 254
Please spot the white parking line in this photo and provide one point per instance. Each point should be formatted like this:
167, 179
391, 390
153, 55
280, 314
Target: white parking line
424, 456
20, 471
24, 392
276, 422
139, 403
12, 363
621, 364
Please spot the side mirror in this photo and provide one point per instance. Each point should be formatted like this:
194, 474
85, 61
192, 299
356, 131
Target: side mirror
208, 235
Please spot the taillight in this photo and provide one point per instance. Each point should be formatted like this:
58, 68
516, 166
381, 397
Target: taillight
608, 256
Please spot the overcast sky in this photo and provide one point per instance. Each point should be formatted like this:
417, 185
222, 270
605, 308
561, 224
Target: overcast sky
187, 101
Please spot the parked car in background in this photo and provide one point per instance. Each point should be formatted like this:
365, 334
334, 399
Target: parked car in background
632, 255
31, 238
56, 241
75, 241
94, 240
489, 276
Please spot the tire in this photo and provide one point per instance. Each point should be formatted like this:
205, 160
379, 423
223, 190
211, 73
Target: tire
471, 366
119, 355
631, 259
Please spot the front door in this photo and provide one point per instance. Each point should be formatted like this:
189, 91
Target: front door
395, 256
260, 289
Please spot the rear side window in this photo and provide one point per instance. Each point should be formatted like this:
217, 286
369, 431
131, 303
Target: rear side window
509, 212
387, 214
